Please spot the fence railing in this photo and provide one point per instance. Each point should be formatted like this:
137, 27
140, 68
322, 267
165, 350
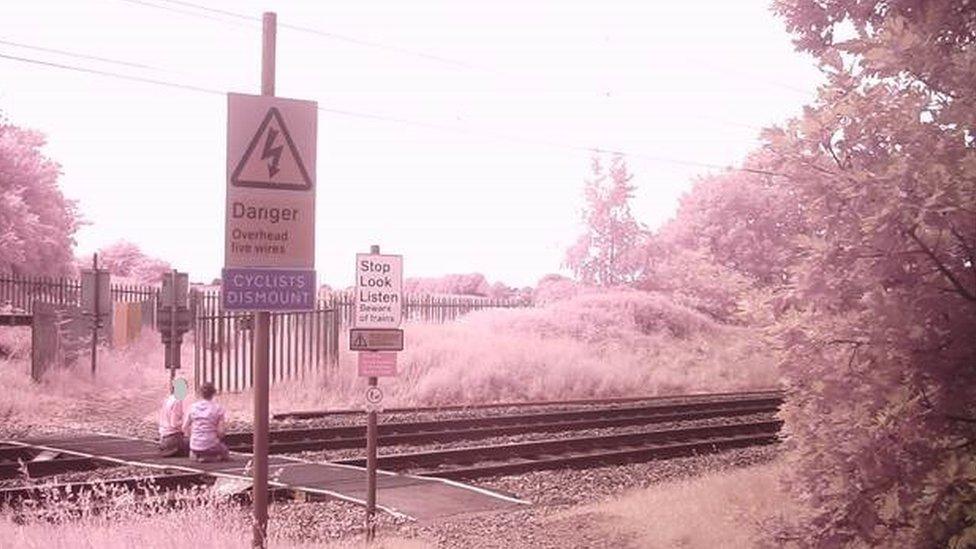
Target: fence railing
18, 292
301, 343
415, 307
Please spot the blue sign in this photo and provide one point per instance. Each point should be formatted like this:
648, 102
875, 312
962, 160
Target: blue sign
268, 289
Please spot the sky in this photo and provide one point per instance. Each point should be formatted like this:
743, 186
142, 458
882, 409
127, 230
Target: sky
454, 133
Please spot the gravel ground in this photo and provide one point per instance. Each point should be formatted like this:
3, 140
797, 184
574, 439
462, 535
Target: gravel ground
351, 453
544, 525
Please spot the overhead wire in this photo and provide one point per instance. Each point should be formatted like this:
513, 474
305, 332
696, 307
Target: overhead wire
301, 28
204, 10
77, 55
384, 118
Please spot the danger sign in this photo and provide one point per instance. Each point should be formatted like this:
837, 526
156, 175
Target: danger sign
269, 235
379, 280
270, 210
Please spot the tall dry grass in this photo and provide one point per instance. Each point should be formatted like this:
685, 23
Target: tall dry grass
120, 520
129, 383
613, 343
597, 344
729, 508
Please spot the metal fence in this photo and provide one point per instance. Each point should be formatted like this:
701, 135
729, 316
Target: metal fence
427, 308
301, 343
19, 292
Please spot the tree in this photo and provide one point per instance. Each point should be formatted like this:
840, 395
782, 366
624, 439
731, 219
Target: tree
879, 351
609, 252
733, 237
125, 259
37, 223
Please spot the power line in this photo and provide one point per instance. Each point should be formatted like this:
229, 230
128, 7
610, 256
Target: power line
396, 120
186, 12
203, 10
78, 55
110, 74
300, 28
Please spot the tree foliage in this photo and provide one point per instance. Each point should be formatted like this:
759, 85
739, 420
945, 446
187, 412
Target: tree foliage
879, 348
609, 252
731, 239
125, 259
37, 223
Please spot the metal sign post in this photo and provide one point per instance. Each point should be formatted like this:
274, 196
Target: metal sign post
375, 333
269, 239
262, 323
371, 439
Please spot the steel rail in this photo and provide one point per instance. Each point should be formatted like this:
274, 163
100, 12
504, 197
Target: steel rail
313, 414
139, 485
479, 428
581, 460
555, 450
37, 469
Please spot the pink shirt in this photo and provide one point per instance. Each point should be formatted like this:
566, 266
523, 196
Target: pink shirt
171, 417
203, 420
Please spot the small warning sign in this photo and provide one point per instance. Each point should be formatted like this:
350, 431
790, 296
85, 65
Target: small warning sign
271, 160
375, 339
377, 364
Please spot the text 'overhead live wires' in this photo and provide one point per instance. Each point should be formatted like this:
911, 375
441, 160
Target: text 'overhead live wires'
456, 129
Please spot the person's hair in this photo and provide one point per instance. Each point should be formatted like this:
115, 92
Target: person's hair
207, 390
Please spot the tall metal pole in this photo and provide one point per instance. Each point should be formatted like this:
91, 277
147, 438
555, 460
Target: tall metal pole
261, 335
371, 440
96, 314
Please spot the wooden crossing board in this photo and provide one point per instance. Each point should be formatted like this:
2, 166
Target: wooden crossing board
415, 497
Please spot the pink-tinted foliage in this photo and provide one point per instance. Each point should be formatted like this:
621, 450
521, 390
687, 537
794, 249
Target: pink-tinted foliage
473, 284
879, 346
554, 287
733, 238
609, 252
37, 223
125, 259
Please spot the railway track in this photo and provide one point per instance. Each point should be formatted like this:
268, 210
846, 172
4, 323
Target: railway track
454, 430
493, 460
696, 397
563, 449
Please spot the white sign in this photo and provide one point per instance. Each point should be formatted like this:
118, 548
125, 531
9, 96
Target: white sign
374, 398
270, 208
379, 281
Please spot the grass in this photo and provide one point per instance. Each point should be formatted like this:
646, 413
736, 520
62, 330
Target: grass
594, 345
616, 343
729, 508
205, 521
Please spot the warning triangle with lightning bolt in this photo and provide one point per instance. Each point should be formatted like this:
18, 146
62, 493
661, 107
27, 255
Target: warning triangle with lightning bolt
360, 341
271, 160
